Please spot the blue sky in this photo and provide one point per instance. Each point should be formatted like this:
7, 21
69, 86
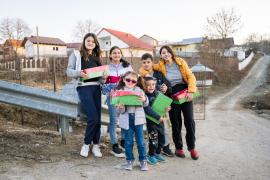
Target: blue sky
164, 20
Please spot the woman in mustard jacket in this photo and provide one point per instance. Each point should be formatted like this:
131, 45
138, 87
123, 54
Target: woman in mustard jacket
179, 75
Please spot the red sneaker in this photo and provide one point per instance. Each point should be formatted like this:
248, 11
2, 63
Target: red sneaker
180, 153
194, 154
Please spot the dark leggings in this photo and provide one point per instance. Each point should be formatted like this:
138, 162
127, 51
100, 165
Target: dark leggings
176, 121
90, 97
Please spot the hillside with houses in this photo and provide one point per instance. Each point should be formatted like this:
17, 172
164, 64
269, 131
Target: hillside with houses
33, 53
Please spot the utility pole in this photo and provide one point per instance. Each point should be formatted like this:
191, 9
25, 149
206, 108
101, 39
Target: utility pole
37, 44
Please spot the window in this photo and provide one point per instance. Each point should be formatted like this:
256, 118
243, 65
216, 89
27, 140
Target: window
53, 48
56, 48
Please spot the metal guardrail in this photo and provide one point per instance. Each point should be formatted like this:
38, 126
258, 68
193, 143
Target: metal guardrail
38, 99
43, 100
64, 103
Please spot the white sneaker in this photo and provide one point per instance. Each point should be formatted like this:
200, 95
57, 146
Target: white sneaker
96, 151
84, 150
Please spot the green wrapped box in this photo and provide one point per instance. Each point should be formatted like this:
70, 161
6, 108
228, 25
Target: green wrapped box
96, 72
184, 99
159, 105
130, 98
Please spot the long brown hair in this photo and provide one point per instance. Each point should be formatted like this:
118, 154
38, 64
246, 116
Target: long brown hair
124, 62
169, 50
96, 51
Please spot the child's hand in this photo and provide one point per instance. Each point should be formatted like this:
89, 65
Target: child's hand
168, 109
142, 98
162, 119
163, 88
105, 75
120, 106
189, 97
84, 75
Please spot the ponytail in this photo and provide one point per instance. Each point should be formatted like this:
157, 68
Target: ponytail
125, 63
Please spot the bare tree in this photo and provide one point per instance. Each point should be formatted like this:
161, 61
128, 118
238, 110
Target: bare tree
21, 29
83, 27
6, 29
223, 24
13, 29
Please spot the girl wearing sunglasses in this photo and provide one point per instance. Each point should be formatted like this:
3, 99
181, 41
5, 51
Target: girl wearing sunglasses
131, 120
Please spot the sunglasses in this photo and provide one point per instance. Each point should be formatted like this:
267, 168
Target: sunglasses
129, 80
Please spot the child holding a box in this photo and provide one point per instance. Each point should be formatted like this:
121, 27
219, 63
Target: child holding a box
155, 129
131, 120
117, 68
88, 89
179, 75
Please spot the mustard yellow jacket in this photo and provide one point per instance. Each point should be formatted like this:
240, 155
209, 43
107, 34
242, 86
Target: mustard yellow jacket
186, 73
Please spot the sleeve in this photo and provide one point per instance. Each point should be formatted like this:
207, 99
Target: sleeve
146, 102
190, 78
150, 112
130, 68
157, 67
71, 68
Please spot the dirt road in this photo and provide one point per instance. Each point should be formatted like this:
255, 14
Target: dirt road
233, 143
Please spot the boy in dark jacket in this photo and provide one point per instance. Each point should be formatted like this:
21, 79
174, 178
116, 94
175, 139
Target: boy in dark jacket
155, 131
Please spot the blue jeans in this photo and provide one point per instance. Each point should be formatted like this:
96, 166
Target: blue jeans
113, 122
129, 134
90, 97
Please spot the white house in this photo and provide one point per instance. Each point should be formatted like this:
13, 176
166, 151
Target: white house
129, 44
47, 47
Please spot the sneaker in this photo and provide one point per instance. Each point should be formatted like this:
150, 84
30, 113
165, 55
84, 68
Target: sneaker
96, 150
84, 150
129, 165
160, 158
167, 151
194, 154
116, 151
152, 160
180, 153
144, 166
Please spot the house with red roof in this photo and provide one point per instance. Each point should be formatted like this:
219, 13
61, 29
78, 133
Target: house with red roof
47, 47
12, 48
130, 45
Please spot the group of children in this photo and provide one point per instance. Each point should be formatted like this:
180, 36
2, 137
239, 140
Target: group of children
132, 118
149, 84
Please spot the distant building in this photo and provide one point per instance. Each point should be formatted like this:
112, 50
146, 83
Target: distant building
188, 47
1, 51
203, 74
48, 47
12, 48
225, 43
129, 44
73, 46
149, 40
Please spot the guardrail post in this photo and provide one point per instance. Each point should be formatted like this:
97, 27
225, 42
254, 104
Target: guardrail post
64, 127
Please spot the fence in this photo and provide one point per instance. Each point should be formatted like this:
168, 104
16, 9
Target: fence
243, 64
